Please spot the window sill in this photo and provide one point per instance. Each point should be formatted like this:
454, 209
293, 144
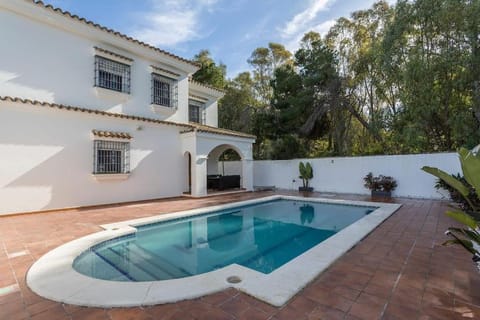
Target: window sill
111, 94
110, 176
166, 111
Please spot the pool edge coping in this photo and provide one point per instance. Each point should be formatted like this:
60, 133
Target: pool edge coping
53, 277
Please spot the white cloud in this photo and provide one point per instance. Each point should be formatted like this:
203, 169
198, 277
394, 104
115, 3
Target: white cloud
294, 43
303, 19
323, 27
207, 2
170, 22
307, 20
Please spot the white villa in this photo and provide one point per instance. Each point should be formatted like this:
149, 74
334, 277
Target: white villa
90, 116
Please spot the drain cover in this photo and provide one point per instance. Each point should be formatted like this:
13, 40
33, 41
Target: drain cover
234, 279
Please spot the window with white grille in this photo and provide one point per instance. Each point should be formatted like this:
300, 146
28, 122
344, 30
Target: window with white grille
196, 111
164, 91
112, 75
110, 157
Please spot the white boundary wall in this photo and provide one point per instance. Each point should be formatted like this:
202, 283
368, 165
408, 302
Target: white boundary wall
345, 175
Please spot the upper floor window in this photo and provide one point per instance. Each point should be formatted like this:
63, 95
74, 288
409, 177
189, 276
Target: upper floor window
112, 75
111, 157
196, 111
164, 91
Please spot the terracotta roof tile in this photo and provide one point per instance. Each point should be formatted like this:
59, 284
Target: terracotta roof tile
41, 4
86, 110
198, 98
108, 52
158, 69
188, 127
206, 86
111, 134
210, 129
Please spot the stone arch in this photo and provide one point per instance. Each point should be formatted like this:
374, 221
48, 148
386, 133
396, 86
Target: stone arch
221, 148
205, 150
231, 174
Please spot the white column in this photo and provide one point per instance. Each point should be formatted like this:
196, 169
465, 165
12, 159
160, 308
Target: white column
247, 174
199, 176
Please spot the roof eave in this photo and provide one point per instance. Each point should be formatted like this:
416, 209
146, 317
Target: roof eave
186, 127
63, 19
204, 89
90, 111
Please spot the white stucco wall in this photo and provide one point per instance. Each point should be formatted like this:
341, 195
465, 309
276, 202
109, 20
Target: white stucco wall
55, 63
211, 111
47, 160
46, 154
231, 167
209, 98
345, 175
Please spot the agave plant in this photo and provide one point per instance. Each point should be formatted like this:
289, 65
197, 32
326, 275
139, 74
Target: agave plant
468, 237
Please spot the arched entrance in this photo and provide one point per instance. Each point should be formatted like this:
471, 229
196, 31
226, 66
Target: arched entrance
205, 149
224, 169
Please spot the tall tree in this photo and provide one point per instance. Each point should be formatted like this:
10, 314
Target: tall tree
264, 62
387, 79
210, 73
237, 106
357, 43
472, 29
437, 87
308, 98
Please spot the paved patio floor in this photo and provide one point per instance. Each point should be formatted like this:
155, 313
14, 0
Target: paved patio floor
400, 271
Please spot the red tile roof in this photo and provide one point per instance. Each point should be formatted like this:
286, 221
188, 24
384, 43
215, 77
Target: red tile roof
111, 134
210, 129
188, 127
110, 53
86, 110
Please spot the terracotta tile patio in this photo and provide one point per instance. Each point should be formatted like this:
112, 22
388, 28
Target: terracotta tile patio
399, 271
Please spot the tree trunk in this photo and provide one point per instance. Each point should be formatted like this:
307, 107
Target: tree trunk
318, 112
364, 123
476, 100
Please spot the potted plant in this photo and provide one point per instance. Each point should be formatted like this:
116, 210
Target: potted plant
381, 186
468, 236
306, 174
388, 185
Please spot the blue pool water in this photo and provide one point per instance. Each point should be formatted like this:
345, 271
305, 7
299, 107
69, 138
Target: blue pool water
262, 237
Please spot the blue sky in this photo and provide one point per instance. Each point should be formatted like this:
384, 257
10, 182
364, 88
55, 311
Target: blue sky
230, 30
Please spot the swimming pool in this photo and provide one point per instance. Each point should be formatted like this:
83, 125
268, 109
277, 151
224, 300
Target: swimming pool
261, 236
69, 273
